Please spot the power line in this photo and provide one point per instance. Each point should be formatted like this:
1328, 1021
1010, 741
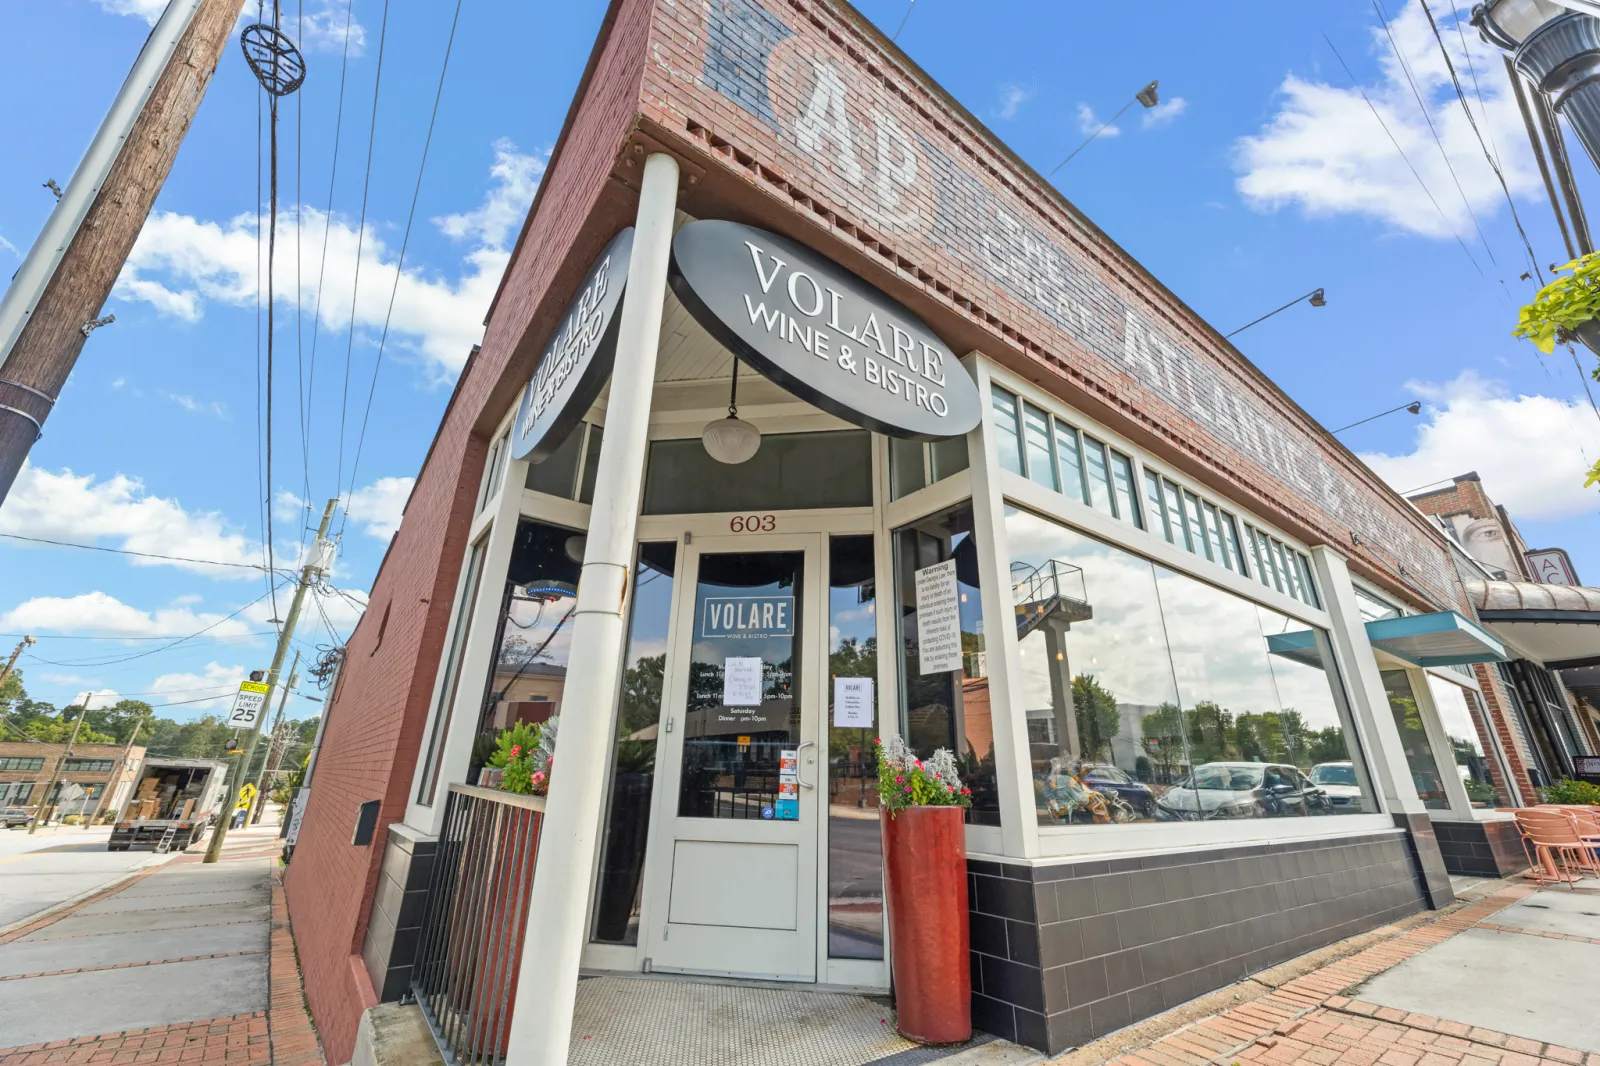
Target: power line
361, 233
1404, 157
165, 636
1494, 163
272, 254
142, 555
405, 242
327, 227
895, 36
156, 651
299, 284
1428, 118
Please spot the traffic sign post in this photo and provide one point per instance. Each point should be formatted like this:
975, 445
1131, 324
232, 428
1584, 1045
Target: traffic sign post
248, 703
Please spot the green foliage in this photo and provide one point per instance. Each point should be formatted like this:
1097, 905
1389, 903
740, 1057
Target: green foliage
1564, 304
58, 730
1098, 720
483, 748
1480, 791
1570, 791
513, 743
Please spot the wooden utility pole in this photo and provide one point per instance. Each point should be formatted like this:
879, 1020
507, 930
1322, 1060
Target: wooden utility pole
11, 662
257, 803
116, 770
53, 329
55, 776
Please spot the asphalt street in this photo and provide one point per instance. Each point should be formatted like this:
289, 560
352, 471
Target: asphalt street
57, 864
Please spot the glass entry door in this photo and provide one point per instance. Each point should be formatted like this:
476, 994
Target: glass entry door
734, 869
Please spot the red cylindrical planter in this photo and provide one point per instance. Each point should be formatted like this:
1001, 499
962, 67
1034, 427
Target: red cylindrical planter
925, 872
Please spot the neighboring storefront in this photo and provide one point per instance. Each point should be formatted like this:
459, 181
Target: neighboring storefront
1208, 679
26, 771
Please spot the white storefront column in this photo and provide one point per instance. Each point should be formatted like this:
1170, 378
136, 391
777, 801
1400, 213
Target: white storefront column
1385, 758
547, 980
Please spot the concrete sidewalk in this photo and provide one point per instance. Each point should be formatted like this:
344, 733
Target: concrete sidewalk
1502, 978
187, 962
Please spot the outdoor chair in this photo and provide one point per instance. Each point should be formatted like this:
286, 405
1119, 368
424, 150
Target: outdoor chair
1587, 821
1556, 845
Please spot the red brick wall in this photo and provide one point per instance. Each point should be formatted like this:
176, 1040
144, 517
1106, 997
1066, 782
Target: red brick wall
1511, 740
983, 251
376, 719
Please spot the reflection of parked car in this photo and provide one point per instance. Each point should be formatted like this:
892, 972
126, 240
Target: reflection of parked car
1105, 777
14, 817
1338, 782
1241, 790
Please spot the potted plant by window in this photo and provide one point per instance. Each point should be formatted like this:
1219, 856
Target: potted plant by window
922, 816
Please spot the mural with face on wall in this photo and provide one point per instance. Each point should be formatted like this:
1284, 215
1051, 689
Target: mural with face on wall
1485, 540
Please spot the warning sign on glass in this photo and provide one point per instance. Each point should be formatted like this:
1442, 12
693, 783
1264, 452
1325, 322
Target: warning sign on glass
938, 619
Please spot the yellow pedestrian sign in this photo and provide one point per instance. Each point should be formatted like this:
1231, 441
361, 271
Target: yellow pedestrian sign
246, 794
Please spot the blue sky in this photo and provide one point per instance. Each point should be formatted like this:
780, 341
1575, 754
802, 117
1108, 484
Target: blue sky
1263, 175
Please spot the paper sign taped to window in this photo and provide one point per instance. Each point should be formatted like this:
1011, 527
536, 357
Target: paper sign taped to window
852, 702
938, 619
741, 681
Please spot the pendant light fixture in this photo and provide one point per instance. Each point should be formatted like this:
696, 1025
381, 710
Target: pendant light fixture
731, 440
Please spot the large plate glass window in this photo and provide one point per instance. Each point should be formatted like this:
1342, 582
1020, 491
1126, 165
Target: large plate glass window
633, 762
1425, 774
1464, 728
855, 855
1151, 696
944, 672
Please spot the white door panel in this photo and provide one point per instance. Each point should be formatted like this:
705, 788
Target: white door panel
748, 886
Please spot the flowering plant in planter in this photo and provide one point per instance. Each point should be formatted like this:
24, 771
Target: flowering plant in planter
907, 781
524, 753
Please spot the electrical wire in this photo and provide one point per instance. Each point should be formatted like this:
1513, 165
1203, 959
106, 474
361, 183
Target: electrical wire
327, 227
1383, 20
299, 283
1426, 191
361, 233
261, 512
165, 636
152, 651
405, 242
142, 555
272, 254
895, 36
1494, 163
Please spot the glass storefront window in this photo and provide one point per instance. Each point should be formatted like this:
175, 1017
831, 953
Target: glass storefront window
915, 465
1155, 507
1007, 431
1069, 453
1094, 455
557, 475
1152, 696
790, 471
459, 627
1414, 741
1122, 489
855, 856
945, 705
1036, 440
1457, 709
633, 763
947, 456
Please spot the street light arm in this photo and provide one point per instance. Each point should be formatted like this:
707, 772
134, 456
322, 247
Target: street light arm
1089, 138
1414, 407
1269, 314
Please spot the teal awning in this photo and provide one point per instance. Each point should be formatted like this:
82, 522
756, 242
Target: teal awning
1300, 645
1444, 638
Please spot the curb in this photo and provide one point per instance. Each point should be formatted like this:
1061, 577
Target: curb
56, 911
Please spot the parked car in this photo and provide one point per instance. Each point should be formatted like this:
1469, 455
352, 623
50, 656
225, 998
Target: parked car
15, 817
1241, 790
1104, 777
1338, 782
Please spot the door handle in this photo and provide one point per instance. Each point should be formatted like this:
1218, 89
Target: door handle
804, 744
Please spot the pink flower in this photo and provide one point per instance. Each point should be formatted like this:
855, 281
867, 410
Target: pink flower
908, 788
516, 749
919, 764
898, 779
952, 788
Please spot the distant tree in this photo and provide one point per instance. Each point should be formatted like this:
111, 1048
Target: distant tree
1098, 720
1326, 745
58, 730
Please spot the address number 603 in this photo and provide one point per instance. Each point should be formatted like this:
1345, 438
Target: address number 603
753, 523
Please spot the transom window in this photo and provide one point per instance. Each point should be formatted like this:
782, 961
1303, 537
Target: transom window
22, 762
1045, 449
87, 766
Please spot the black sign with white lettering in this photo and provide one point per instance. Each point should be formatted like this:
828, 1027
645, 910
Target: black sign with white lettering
575, 366
821, 332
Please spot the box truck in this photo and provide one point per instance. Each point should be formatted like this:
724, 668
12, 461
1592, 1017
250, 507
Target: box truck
174, 801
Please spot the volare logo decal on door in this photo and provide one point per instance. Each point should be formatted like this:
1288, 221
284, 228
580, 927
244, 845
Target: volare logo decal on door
747, 617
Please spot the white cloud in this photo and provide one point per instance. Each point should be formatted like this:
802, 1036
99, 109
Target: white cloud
1088, 123
102, 614
496, 221
376, 507
180, 263
63, 679
102, 697
8, 246
1531, 451
321, 31
1013, 97
1164, 113
199, 407
67, 506
149, 10
193, 690
1324, 152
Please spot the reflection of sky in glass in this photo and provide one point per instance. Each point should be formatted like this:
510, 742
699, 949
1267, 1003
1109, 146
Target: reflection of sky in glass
530, 624
1217, 651
652, 609
1123, 645
1301, 686
1453, 713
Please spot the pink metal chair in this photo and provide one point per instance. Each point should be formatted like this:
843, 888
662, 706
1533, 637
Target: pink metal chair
1556, 845
1585, 819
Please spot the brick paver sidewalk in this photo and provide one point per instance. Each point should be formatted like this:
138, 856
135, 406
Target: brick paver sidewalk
280, 1036
1309, 1021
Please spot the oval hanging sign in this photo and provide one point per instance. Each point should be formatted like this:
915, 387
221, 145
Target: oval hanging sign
821, 332
578, 360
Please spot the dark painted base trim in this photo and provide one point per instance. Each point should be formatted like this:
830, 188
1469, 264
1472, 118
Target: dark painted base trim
1481, 849
1066, 953
397, 906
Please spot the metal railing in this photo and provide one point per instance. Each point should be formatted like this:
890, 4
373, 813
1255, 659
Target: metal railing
470, 945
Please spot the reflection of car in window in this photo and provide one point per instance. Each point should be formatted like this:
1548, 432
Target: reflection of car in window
1104, 776
1241, 790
